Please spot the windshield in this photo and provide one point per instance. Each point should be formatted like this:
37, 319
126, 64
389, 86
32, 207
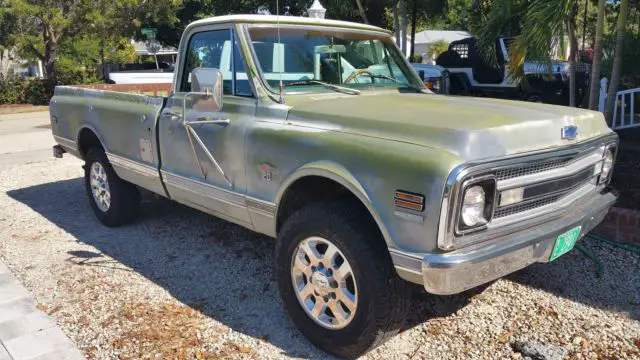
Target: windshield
304, 58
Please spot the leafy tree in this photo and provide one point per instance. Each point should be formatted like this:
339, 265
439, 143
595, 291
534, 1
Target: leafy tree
436, 48
43, 25
7, 27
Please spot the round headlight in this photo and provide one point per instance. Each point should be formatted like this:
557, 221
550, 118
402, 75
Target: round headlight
607, 165
473, 204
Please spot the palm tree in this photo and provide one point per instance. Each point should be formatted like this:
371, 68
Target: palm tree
597, 58
405, 25
541, 25
573, 50
617, 61
363, 14
396, 21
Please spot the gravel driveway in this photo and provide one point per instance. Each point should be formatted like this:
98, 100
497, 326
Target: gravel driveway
181, 284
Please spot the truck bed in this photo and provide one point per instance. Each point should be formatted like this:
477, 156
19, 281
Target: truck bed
124, 123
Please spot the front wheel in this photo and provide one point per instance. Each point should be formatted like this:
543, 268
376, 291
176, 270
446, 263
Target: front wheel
113, 201
337, 281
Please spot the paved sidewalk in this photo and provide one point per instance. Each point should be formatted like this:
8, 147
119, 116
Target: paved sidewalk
26, 332
25, 138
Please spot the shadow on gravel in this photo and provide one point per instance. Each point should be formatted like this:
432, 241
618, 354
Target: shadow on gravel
217, 267
574, 276
225, 271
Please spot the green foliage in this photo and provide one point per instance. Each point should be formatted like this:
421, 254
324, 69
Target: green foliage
416, 59
15, 89
47, 24
71, 73
436, 48
37, 92
524, 19
12, 88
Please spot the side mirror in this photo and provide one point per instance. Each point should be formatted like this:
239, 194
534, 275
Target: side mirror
206, 87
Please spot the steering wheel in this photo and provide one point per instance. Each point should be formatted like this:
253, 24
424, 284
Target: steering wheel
357, 73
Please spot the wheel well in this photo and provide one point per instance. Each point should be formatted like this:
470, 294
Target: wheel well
310, 189
86, 140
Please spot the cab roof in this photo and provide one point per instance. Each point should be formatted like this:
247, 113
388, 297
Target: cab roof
285, 20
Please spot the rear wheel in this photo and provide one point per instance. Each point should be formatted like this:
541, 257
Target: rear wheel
337, 281
113, 201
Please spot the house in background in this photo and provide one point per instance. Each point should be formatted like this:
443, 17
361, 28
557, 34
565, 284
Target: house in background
427, 37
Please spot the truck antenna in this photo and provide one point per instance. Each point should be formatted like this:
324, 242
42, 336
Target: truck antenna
281, 85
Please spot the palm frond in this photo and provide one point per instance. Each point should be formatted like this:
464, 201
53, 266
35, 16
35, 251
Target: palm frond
542, 26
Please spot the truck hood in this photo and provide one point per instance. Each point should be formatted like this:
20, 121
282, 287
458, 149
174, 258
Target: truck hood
471, 128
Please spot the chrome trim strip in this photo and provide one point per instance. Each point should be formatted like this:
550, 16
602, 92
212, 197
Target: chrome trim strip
406, 261
65, 142
570, 169
204, 189
261, 206
141, 169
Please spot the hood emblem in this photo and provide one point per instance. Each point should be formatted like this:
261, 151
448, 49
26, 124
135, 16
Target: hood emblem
569, 132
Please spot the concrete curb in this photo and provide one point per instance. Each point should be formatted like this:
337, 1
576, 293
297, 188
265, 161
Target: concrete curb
27, 333
621, 225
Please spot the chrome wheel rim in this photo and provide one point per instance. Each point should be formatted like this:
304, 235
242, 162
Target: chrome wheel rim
324, 283
100, 187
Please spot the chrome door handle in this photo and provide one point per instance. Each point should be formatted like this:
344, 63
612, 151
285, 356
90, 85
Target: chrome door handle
172, 114
206, 120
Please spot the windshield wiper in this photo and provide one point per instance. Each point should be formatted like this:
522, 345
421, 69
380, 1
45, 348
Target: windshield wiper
387, 77
341, 89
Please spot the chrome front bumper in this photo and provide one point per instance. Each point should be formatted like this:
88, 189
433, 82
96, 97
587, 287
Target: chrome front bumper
456, 271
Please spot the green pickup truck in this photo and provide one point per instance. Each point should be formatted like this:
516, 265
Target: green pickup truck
320, 134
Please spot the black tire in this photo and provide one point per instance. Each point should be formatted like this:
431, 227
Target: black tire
383, 298
125, 197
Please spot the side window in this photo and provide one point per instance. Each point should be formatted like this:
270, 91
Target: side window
243, 88
210, 49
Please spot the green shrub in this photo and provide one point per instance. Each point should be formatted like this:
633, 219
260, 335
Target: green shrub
416, 59
38, 92
68, 73
12, 88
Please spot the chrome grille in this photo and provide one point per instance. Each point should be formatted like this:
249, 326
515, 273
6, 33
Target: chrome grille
538, 167
541, 194
511, 210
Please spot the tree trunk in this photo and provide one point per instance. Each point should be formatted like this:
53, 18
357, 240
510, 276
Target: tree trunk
573, 49
414, 15
396, 23
50, 53
363, 13
6, 59
596, 67
405, 25
617, 62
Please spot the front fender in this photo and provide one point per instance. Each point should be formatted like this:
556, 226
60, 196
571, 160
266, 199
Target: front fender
338, 173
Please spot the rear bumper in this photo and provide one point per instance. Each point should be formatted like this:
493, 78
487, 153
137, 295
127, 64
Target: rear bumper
460, 270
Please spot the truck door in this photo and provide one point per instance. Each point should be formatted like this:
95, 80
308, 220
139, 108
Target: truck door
205, 167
